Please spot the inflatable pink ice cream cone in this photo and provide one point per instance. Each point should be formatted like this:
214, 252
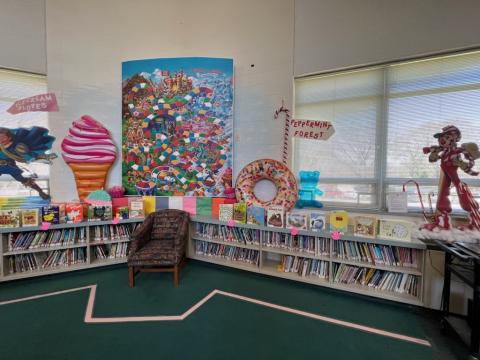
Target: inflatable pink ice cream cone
89, 151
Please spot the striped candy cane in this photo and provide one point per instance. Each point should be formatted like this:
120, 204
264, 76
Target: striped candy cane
474, 213
285, 131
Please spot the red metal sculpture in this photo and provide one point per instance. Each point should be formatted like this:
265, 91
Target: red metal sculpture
451, 158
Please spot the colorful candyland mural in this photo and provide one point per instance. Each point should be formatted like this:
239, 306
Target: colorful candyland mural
177, 126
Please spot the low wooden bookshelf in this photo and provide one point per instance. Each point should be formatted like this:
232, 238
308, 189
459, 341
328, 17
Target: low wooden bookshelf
250, 247
79, 248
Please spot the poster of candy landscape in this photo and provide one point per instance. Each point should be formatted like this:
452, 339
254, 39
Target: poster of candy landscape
177, 126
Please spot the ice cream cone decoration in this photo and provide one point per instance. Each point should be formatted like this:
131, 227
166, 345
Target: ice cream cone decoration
89, 151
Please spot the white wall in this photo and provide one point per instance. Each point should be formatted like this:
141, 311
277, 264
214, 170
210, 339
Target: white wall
334, 34
22, 35
87, 41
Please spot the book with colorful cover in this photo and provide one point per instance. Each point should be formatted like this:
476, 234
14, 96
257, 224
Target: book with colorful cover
225, 212
256, 215
365, 226
99, 213
10, 218
297, 219
51, 214
240, 212
121, 212
318, 220
135, 208
339, 221
30, 217
275, 216
74, 213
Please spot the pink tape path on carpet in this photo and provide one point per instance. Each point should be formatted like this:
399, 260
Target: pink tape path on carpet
93, 290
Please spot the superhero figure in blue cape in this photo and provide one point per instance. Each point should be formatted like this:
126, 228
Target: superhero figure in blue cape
25, 146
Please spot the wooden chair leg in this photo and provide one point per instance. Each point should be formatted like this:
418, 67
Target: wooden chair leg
176, 275
131, 276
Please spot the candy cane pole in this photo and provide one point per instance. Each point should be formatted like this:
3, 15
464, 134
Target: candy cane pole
285, 131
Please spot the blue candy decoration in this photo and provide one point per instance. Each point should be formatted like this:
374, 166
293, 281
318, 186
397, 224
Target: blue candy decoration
308, 190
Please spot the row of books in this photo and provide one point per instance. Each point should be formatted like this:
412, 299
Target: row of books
234, 253
112, 232
290, 242
65, 257
303, 266
29, 262
275, 216
376, 254
43, 239
227, 233
377, 279
111, 251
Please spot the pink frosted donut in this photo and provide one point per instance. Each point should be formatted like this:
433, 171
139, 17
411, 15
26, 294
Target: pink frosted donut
267, 169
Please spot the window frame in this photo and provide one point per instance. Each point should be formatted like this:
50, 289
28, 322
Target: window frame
380, 180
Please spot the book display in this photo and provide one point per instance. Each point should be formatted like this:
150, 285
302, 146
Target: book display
31, 251
386, 268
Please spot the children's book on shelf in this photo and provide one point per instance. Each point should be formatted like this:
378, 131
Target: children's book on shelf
10, 218
275, 216
121, 213
74, 213
339, 221
256, 215
240, 212
51, 214
297, 219
317, 220
394, 229
225, 212
30, 217
365, 226
99, 213
135, 207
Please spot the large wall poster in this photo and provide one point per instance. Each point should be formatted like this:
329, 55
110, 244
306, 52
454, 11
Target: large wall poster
177, 127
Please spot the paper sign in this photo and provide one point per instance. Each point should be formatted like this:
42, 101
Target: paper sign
231, 223
397, 202
311, 129
42, 102
294, 231
45, 226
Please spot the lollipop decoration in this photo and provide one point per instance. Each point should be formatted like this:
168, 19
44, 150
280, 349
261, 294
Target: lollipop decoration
452, 157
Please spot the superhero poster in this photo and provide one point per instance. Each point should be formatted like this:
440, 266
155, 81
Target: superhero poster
177, 126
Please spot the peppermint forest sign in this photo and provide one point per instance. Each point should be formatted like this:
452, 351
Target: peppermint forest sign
311, 129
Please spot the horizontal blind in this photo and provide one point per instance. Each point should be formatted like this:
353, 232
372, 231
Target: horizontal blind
352, 102
423, 97
15, 85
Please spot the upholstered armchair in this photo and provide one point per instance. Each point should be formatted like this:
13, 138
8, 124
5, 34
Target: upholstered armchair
159, 244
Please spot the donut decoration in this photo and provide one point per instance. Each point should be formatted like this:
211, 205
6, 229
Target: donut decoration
267, 169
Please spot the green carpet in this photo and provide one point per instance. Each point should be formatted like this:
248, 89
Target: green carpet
223, 328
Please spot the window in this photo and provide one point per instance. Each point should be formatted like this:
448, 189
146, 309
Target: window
15, 85
383, 117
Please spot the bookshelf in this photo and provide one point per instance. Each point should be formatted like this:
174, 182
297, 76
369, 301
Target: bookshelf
30, 251
382, 268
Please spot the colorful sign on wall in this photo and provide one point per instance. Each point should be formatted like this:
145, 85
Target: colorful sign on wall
177, 126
